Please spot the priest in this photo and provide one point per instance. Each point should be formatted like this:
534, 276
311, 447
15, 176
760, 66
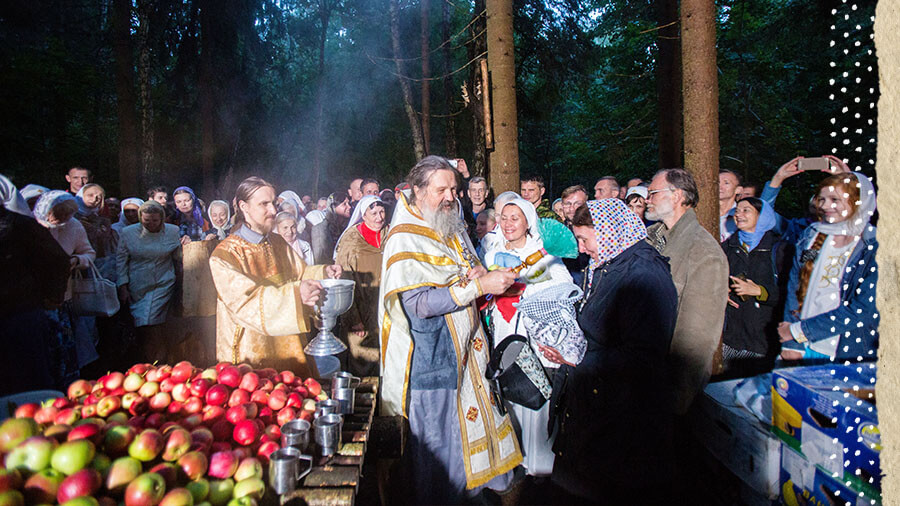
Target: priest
434, 351
266, 292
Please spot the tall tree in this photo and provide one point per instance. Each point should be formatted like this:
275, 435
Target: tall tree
149, 171
405, 88
324, 9
502, 63
701, 106
125, 97
476, 91
450, 133
668, 84
425, 31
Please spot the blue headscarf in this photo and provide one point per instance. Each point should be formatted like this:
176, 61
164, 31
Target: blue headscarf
196, 213
83, 209
46, 203
764, 223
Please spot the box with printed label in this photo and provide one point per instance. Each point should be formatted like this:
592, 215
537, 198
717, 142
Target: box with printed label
828, 414
806, 484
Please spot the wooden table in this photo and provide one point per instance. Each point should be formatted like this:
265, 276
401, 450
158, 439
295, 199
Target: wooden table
335, 480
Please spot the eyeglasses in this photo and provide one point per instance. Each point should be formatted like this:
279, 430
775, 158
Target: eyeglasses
652, 192
577, 203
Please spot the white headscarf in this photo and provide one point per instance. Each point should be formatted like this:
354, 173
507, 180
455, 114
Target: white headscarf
222, 231
12, 199
856, 224
30, 191
294, 199
361, 207
495, 238
122, 223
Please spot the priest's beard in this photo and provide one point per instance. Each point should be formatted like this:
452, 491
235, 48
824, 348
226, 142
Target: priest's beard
444, 220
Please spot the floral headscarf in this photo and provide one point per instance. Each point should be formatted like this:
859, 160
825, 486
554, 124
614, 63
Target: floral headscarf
617, 228
46, 203
12, 199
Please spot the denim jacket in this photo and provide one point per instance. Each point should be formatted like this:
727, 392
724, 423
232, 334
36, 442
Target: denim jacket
856, 319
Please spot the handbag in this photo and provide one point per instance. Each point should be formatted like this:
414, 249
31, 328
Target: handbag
93, 295
519, 372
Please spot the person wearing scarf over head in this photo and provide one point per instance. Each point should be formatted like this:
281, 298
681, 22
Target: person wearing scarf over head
99, 230
31, 192
289, 228
189, 216
359, 252
494, 238
128, 215
328, 226
12, 199
614, 411
220, 218
758, 263
73, 344
830, 309
296, 203
520, 228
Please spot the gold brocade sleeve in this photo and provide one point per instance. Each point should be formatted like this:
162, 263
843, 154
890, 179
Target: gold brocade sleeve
267, 310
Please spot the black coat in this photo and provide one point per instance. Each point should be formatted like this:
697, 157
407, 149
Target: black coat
753, 325
613, 410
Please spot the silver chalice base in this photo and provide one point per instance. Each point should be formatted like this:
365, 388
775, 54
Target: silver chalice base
336, 299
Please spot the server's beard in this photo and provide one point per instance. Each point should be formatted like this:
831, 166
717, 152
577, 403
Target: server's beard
444, 220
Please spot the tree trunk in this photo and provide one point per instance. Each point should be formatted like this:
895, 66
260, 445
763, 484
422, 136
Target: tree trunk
701, 106
149, 173
502, 63
668, 84
324, 19
476, 89
405, 88
126, 101
426, 73
207, 91
450, 134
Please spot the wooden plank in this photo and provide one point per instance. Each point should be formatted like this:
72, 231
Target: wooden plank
332, 476
320, 497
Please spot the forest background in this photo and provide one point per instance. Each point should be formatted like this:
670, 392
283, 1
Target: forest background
308, 93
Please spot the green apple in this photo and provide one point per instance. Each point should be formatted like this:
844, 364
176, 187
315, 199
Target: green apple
199, 489
251, 487
82, 501
122, 472
73, 456
220, 491
31, 455
146, 490
248, 468
12, 498
14, 431
178, 497
42, 487
242, 501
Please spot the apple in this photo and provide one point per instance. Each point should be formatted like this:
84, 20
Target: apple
178, 497
89, 431
260, 397
313, 386
266, 415
249, 382
217, 395
321, 396
12, 498
222, 430
163, 372
280, 386
122, 472
306, 415
175, 408
31, 455
193, 405
140, 406
265, 449
138, 368
266, 385
101, 501
194, 464
41, 487
238, 397
62, 403
222, 465
160, 401
285, 415
167, 385
236, 414
72, 456
149, 389
273, 432
182, 372
10, 479
146, 490
169, 473
108, 405
202, 435
152, 375
181, 392
117, 439
294, 400
199, 387
133, 382
220, 491
212, 414
229, 376
287, 377
243, 501
252, 487
58, 432
46, 414
191, 422
79, 388
210, 374
178, 441
137, 422
27, 410
199, 489
249, 467
246, 433
302, 390
87, 500
277, 400
68, 416
112, 380
101, 463
89, 410
128, 399
118, 417
147, 445
83, 483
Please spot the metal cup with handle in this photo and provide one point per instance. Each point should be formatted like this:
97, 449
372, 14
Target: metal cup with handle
328, 433
327, 407
296, 434
347, 399
344, 379
286, 469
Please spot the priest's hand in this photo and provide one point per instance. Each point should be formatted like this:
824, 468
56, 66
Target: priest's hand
333, 271
496, 282
309, 292
476, 272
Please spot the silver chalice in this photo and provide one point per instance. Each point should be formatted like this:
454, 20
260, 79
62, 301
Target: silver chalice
336, 299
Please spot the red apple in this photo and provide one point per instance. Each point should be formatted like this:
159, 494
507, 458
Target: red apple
246, 433
140, 406
242, 452
182, 372
192, 421
277, 400
273, 432
229, 376
27, 410
149, 389
236, 414
155, 420
41, 487
249, 382
217, 395
202, 435
222, 465
88, 411
266, 414
160, 401
222, 430
137, 422
285, 415
194, 465
266, 385
287, 377
178, 441
79, 388
169, 473
112, 380
294, 400
82, 483
147, 445
302, 390
212, 414
117, 439
128, 399
146, 490
221, 365
62, 403
58, 432
108, 405
46, 414
306, 415
313, 386
199, 386
238, 397
175, 408
10, 479
167, 385
252, 409
177, 497
260, 397
151, 375
266, 449
68, 416
193, 405
220, 446
87, 431
138, 369
181, 392
280, 386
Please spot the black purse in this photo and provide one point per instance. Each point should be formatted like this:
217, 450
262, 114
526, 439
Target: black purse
519, 373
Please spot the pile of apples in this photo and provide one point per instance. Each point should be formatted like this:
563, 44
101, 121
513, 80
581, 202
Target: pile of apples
154, 435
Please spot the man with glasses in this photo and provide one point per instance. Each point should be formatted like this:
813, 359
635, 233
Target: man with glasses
574, 197
700, 272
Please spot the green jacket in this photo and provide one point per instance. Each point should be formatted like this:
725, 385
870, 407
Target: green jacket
545, 211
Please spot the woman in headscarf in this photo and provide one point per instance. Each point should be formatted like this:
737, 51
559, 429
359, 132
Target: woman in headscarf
756, 262
148, 261
328, 226
289, 228
520, 229
72, 346
99, 230
128, 215
613, 411
494, 238
189, 216
359, 251
296, 203
830, 309
12, 199
31, 192
220, 218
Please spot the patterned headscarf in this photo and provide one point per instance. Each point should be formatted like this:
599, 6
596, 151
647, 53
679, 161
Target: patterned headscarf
12, 199
196, 213
617, 228
294, 199
46, 203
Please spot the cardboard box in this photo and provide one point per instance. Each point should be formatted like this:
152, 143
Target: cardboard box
806, 484
824, 412
737, 439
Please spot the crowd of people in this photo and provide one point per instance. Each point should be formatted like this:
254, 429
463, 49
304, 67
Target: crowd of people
620, 336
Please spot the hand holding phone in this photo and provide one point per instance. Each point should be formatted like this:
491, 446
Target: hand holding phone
819, 163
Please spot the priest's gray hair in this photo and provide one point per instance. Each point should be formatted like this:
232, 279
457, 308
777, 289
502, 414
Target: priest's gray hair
420, 175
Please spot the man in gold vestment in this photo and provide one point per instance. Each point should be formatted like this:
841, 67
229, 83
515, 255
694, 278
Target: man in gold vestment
266, 292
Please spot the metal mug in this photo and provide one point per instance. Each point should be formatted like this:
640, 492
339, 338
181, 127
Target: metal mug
343, 379
285, 469
328, 433
327, 407
347, 399
296, 434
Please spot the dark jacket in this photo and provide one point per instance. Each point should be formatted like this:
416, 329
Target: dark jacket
614, 408
753, 325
